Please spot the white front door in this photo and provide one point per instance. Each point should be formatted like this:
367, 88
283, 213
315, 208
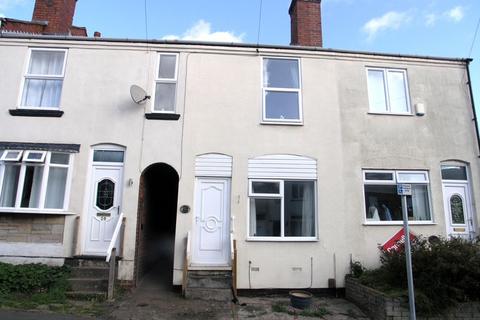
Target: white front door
211, 245
103, 209
458, 215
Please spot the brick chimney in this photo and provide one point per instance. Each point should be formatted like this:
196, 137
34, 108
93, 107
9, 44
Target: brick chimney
306, 23
58, 14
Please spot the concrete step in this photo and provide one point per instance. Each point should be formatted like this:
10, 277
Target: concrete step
87, 261
209, 294
214, 285
89, 272
209, 279
88, 284
86, 295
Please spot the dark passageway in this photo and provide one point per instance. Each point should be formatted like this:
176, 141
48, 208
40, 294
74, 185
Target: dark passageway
157, 218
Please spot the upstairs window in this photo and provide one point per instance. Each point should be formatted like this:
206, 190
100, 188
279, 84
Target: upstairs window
388, 91
38, 180
166, 83
44, 79
281, 90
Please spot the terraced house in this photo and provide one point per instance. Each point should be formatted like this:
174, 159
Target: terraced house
277, 162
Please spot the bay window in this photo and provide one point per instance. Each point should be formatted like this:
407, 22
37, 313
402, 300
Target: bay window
383, 205
38, 180
282, 209
43, 82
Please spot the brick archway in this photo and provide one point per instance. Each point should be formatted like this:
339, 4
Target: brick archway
156, 218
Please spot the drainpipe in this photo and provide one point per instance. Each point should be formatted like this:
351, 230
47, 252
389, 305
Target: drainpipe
472, 102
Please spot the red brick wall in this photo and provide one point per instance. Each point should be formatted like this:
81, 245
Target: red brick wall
306, 23
49, 17
18, 26
58, 13
140, 241
78, 31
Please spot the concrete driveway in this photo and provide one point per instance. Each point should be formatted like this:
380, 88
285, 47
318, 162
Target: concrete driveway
154, 300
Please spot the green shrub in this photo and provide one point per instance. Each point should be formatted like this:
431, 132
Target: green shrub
32, 278
445, 272
356, 269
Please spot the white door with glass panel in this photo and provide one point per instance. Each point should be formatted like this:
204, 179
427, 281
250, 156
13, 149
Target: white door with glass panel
457, 210
211, 245
456, 199
105, 199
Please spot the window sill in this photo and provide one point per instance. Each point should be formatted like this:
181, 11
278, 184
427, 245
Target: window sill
399, 223
391, 114
35, 113
286, 239
281, 123
162, 116
36, 211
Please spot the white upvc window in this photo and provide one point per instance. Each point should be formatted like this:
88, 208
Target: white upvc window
166, 83
11, 155
43, 82
388, 91
382, 203
38, 182
281, 86
34, 156
282, 209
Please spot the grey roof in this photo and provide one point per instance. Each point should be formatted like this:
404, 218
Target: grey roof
7, 34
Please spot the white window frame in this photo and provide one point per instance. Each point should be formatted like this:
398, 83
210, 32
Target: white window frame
280, 195
6, 152
392, 172
446, 164
387, 91
298, 90
173, 80
108, 148
43, 189
42, 77
27, 153
426, 180
394, 182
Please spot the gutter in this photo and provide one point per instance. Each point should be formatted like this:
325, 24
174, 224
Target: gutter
472, 103
10, 35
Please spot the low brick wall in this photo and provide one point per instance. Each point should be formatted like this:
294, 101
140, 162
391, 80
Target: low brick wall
31, 228
382, 307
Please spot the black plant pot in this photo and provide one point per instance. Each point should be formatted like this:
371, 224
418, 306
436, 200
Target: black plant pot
300, 299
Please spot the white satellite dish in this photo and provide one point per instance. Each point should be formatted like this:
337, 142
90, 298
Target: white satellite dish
138, 94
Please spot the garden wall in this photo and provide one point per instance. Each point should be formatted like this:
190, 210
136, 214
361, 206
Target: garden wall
382, 307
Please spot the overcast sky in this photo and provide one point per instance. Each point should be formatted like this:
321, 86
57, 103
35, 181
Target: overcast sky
423, 27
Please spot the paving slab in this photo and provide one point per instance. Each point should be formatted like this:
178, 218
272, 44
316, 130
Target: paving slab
156, 301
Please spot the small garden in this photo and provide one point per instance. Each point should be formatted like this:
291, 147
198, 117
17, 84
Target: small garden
446, 273
38, 286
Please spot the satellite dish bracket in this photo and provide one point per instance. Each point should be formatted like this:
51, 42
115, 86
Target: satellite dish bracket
146, 97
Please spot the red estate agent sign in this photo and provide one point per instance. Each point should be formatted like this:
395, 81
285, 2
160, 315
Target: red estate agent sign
397, 241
